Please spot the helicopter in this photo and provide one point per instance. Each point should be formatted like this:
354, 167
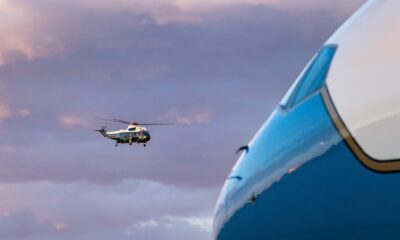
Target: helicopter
134, 133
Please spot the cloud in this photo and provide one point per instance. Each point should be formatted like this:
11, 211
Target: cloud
189, 118
202, 117
22, 225
340, 8
131, 209
33, 29
70, 121
24, 112
5, 111
173, 227
6, 149
23, 34
201, 222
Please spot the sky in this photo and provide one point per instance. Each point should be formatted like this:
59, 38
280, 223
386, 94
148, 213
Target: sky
216, 68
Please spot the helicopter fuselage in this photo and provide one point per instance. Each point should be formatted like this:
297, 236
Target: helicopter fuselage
133, 134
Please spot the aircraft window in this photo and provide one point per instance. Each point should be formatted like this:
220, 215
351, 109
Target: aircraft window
312, 79
131, 129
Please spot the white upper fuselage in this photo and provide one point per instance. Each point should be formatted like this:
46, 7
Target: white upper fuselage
364, 78
133, 133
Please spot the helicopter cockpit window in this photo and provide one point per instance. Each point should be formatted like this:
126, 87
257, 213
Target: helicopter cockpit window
132, 129
313, 78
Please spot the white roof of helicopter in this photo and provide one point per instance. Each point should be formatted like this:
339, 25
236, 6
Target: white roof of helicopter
137, 128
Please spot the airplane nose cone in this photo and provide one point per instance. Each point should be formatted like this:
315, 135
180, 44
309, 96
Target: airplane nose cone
300, 180
285, 143
298, 133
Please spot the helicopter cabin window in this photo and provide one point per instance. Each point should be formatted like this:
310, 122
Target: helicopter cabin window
132, 129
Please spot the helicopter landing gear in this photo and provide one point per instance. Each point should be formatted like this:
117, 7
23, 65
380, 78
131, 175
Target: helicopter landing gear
130, 141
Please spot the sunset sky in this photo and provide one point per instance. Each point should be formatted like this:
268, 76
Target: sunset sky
217, 68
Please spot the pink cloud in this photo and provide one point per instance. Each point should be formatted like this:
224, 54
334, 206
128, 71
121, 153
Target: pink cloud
188, 118
5, 112
201, 117
25, 31
27, 28
24, 112
70, 121
6, 148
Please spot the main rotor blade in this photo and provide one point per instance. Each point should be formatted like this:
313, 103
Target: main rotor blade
121, 121
113, 120
134, 123
155, 124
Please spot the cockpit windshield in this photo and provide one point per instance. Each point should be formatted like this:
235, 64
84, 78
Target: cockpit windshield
313, 78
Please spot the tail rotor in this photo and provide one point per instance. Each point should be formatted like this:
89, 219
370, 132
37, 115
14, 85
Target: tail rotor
102, 130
